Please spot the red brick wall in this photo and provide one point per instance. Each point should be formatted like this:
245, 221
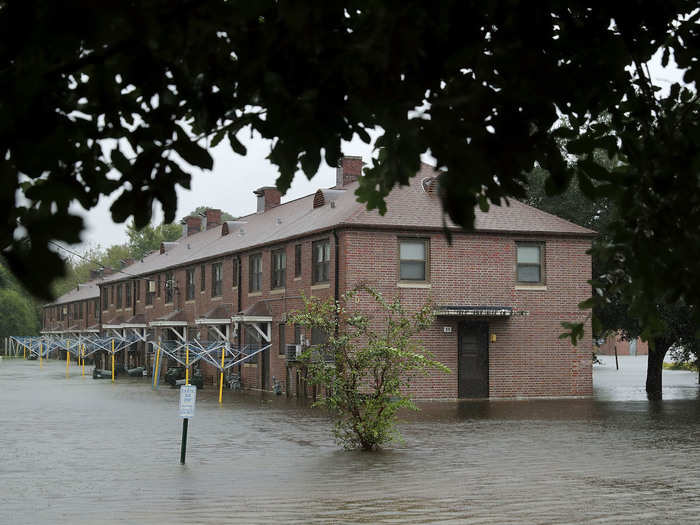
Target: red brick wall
528, 358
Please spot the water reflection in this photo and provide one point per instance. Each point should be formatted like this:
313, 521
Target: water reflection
84, 451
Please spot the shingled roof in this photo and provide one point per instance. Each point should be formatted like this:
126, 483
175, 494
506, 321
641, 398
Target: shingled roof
88, 290
408, 207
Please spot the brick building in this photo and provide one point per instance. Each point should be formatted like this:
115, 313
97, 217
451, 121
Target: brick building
624, 346
500, 292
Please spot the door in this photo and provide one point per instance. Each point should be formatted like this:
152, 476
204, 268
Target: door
473, 357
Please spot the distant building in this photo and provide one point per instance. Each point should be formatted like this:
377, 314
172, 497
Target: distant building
500, 291
624, 346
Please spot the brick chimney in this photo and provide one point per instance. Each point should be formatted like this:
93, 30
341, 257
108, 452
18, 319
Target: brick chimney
213, 217
126, 262
268, 197
349, 170
192, 224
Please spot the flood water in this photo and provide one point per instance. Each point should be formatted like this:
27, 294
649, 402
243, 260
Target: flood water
80, 450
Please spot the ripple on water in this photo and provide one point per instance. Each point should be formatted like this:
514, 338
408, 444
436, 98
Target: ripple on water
85, 451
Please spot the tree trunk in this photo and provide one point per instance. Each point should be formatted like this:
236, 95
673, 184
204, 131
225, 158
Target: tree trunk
655, 365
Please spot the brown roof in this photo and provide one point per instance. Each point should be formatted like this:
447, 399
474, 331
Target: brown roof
408, 206
88, 290
137, 319
115, 320
177, 315
221, 311
414, 207
258, 309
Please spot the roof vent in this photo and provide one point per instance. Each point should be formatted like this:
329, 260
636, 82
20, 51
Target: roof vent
278, 220
167, 246
230, 226
321, 197
430, 185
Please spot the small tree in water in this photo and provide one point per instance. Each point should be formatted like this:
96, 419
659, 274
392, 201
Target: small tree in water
365, 368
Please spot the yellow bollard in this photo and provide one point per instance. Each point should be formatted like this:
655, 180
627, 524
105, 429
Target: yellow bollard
221, 376
156, 370
67, 363
24, 351
187, 364
112, 360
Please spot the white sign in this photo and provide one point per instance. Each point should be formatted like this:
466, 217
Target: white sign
188, 396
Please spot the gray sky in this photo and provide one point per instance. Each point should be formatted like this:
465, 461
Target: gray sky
230, 185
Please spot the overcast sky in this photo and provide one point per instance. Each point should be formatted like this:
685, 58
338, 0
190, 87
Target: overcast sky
230, 185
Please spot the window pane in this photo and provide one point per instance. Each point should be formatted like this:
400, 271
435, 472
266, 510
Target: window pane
413, 270
529, 254
529, 273
413, 250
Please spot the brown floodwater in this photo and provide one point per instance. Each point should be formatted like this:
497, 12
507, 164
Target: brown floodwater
80, 450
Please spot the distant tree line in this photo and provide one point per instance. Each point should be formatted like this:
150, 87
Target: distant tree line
20, 313
140, 243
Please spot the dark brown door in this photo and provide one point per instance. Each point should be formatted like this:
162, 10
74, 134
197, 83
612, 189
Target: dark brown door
473, 355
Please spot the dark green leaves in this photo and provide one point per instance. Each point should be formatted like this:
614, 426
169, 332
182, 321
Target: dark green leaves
308, 77
192, 152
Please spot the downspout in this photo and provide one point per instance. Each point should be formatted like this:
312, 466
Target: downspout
240, 284
336, 291
239, 328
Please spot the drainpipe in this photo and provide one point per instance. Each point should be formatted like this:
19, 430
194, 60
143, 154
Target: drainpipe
240, 284
240, 327
336, 291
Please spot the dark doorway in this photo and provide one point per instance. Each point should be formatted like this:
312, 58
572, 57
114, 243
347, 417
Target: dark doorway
473, 359
265, 369
264, 361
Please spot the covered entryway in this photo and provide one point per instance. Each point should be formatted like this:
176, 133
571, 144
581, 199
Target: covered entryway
253, 327
473, 323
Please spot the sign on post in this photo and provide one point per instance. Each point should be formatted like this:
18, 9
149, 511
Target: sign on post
188, 396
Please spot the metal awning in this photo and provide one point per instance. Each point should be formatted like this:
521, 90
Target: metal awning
258, 312
220, 314
176, 318
114, 323
474, 311
137, 321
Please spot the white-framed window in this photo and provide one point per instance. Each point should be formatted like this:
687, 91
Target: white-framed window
530, 263
413, 260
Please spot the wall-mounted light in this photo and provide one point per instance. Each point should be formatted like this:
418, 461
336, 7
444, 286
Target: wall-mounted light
493, 338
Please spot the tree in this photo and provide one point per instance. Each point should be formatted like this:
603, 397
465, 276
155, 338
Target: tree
143, 241
612, 311
79, 269
19, 313
141, 90
365, 369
